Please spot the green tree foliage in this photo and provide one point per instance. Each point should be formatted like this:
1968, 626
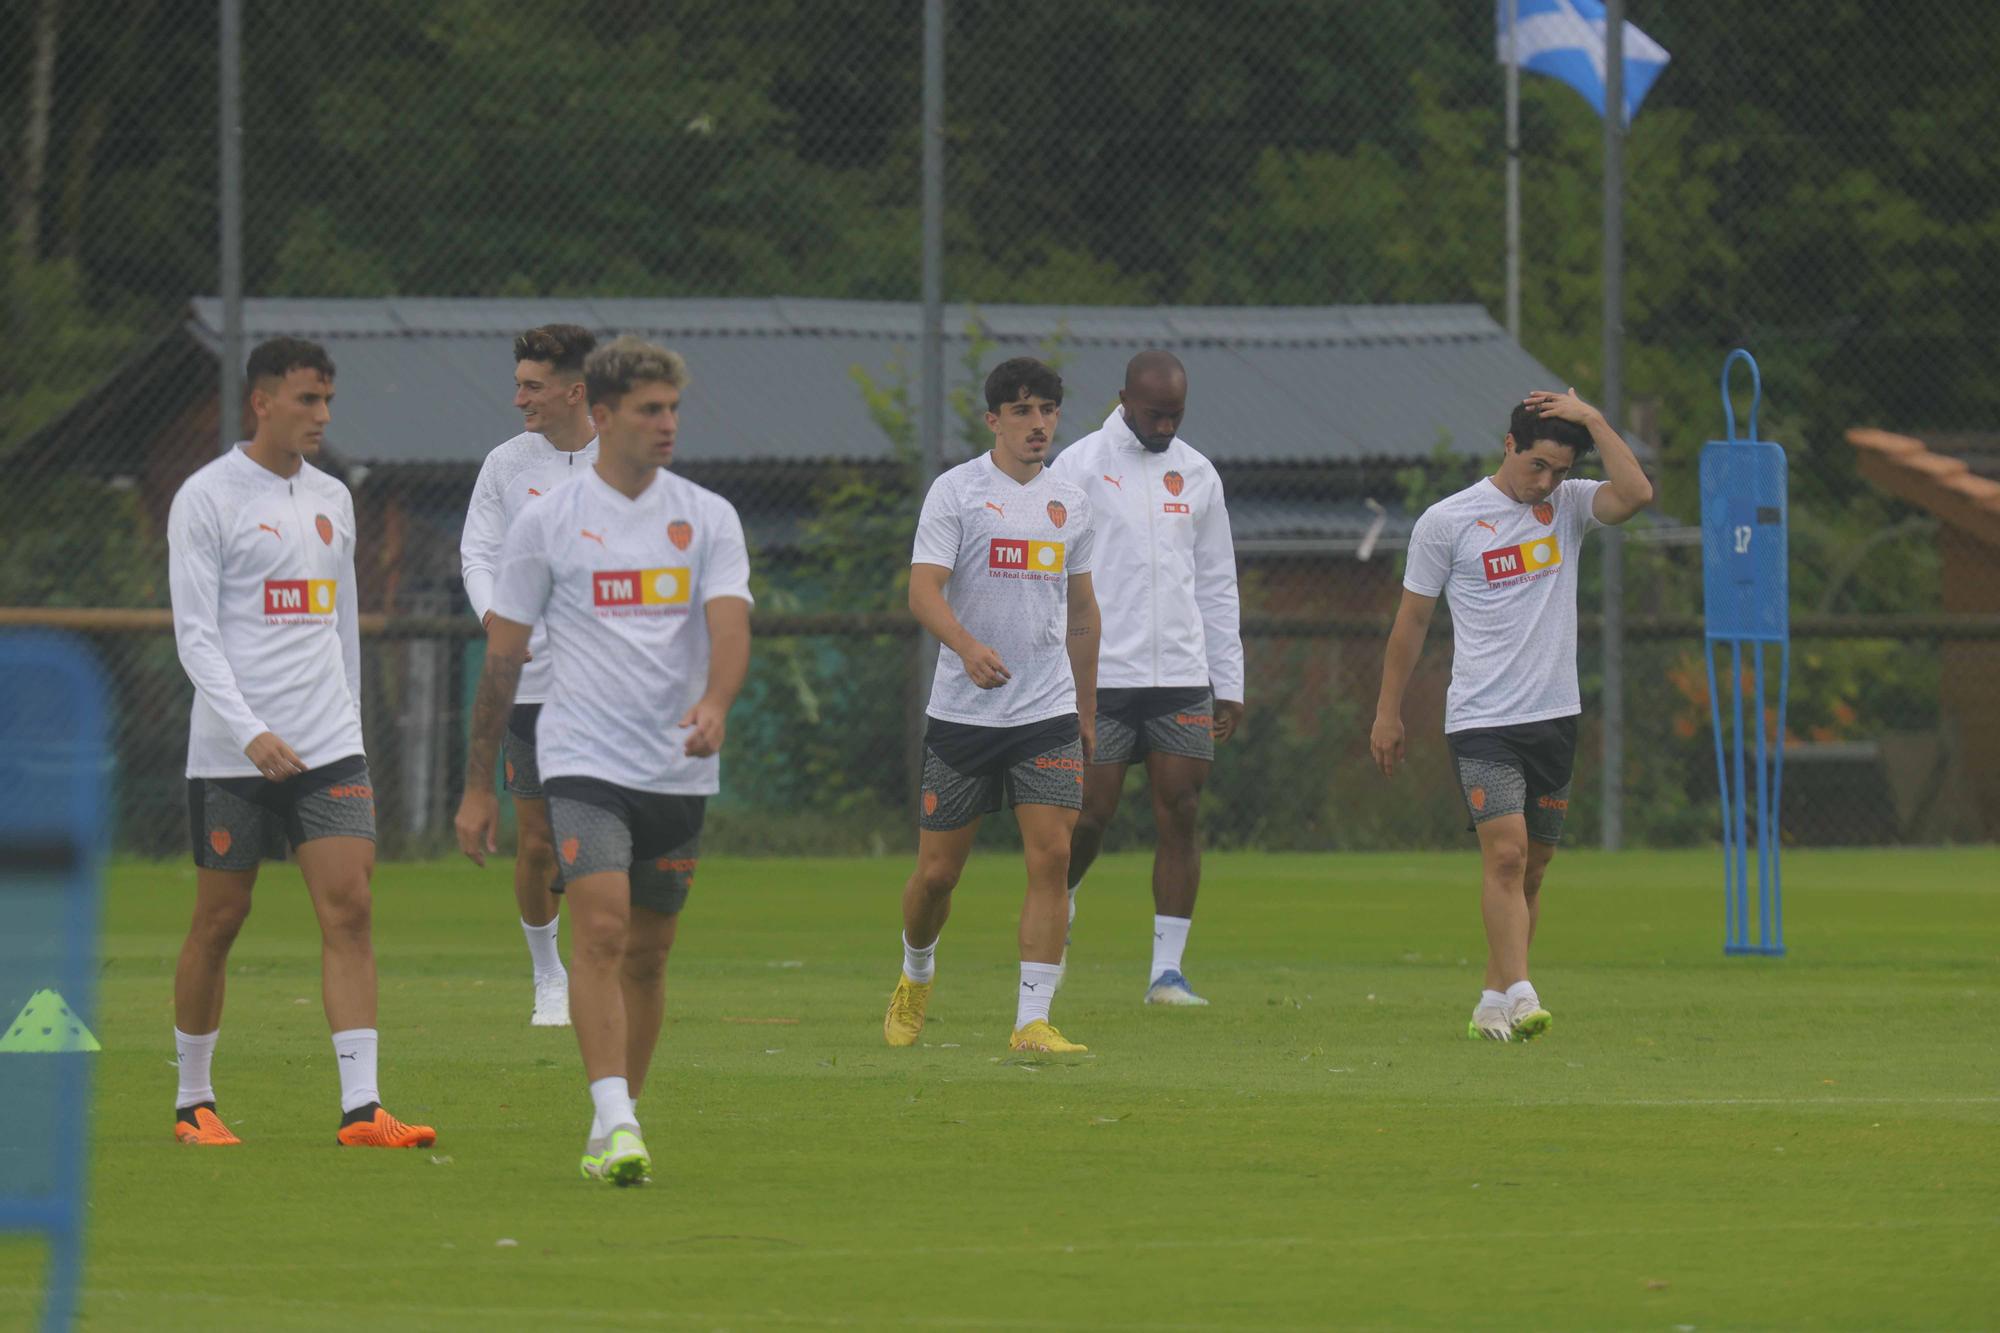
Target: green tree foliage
1818, 182
1263, 153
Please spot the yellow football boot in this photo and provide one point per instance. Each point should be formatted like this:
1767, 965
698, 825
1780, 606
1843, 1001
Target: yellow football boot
1041, 1035
904, 1022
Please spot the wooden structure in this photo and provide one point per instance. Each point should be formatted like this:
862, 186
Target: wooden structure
1967, 507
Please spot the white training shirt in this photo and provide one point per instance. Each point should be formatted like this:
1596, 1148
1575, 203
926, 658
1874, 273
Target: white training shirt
262, 574
523, 469
1012, 550
619, 585
1166, 563
1509, 572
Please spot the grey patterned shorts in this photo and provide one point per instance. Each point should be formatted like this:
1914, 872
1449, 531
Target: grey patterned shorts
968, 770
236, 822
1520, 770
1134, 722
517, 747
653, 838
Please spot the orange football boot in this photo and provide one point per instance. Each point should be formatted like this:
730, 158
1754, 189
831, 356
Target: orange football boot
372, 1127
200, 1126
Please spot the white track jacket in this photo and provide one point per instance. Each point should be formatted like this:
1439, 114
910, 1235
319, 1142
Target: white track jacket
262, 572
1165, 572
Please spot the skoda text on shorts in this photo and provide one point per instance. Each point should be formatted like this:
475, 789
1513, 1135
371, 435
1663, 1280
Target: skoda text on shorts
1504, 551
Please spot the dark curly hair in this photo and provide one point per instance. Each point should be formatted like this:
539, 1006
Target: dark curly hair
563, 346
1527, 425
1022, 375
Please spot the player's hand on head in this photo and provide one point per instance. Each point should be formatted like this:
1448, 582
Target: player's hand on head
1385, 742
477, 823
707, 723
1561, 406
273, 758
1228, 717
985, 668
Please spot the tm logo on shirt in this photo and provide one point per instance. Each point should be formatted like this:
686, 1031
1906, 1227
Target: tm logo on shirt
641, 591
1018, 558
289, 598
1513, 562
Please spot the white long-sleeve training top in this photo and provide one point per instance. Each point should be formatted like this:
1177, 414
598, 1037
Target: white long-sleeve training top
525, 468
1165, 575
262, 574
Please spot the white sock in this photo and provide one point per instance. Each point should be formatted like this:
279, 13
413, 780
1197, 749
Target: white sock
542, 950
1523, 990
354, 1055
1492, 999
919, 965
1038, 987
194, 1055
1169, 942
598, 1129
612, 1099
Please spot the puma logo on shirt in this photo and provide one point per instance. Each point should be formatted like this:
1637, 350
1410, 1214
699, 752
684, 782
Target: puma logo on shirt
998, 509
586, 532
1119, 482
1482, 523
266, 527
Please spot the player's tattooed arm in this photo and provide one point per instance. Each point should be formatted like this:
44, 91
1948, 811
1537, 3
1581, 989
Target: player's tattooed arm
498, 680
479, 810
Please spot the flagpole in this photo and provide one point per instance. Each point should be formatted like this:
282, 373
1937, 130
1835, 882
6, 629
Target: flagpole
1614, 411
1513, 172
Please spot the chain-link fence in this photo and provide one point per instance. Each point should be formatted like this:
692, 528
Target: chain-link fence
1813, 182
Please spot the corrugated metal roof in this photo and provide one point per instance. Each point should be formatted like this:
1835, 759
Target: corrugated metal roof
429, 379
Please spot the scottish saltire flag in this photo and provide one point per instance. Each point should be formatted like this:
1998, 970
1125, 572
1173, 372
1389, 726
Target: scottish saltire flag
1565, 40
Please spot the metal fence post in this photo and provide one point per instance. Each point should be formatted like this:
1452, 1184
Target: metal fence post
1614, 392
229, 408
930, 407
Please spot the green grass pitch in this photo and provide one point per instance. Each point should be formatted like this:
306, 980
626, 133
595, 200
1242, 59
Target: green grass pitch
1700, 1143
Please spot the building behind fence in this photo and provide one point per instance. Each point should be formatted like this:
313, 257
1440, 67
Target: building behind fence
1302, 198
